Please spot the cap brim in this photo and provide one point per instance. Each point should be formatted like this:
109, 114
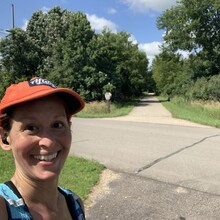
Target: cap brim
73, 100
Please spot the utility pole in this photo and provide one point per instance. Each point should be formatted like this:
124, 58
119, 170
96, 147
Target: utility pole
13, 16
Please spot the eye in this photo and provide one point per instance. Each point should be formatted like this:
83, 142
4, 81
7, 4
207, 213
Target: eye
32, 128
58, 125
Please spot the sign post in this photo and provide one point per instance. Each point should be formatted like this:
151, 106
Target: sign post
108, 96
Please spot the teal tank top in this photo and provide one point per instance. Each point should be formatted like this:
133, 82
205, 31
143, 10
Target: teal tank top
18, 210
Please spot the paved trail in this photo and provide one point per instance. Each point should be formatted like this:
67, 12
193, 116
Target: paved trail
151, 110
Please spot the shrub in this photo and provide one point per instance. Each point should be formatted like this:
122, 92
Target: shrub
213, 88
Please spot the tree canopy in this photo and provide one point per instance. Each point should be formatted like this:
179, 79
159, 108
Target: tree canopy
61, 46
194, 27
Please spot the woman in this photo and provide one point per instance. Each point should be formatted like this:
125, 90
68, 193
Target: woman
35, 126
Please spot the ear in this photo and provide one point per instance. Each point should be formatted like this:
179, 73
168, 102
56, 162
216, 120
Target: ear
4, 140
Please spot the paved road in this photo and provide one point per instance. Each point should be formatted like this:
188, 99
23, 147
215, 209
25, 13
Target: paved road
165, 171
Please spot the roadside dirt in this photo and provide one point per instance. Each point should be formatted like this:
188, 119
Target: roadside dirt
102, 188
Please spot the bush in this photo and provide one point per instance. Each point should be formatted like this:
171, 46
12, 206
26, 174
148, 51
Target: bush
199, 89
213, 88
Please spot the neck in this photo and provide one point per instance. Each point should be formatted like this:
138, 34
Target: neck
36, 191
42, 198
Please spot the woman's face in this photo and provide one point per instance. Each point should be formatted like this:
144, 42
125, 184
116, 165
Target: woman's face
40, 138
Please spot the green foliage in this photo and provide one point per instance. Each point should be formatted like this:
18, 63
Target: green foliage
124, 66
61, 46
19, 55
199, 89
47, 31
213, 88
168, 73
192, 26
205, 89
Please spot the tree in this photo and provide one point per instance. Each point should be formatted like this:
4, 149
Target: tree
19, 55
194, 26
124, 66
72, 66
47, 30
61, 46
168, 72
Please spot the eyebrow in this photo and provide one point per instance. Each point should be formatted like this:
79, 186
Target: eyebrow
25, 117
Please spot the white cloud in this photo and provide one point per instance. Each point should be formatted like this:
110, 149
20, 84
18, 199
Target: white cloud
45, 9
151, 49
25, 23
184, 54
112, 11
133, 39
98, 24
142, 6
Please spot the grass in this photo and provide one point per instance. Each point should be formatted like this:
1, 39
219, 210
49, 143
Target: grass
100, 109
206, 113
78, 175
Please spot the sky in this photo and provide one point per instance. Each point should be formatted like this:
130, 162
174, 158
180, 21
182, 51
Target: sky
137, 17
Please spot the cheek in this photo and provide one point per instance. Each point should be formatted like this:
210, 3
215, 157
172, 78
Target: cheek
21, 145
67, 140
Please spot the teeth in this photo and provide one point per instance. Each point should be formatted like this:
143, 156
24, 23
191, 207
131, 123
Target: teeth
45, 158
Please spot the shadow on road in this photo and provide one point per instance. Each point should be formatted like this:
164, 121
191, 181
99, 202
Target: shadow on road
147, 100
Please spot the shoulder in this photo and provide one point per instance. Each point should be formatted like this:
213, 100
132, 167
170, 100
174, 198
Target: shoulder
3, 209
74, 197
81, 203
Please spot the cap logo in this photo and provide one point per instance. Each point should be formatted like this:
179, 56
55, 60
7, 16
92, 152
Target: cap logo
40, 82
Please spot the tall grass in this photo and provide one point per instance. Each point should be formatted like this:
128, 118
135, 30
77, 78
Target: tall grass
206, 113
100, 109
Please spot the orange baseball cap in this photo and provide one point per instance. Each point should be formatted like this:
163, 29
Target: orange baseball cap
37, 88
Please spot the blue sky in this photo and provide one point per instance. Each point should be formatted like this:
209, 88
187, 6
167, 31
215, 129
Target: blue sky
137, 17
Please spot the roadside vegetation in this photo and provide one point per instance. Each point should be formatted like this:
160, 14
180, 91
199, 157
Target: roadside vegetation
100, 109
190, 27
202, 112
78, 175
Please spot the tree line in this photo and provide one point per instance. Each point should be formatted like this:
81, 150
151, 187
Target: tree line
193, 27
61, 46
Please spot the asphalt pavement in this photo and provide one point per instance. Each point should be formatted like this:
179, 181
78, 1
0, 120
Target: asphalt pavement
124, 194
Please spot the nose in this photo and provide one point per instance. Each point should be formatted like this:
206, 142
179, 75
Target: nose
47, 139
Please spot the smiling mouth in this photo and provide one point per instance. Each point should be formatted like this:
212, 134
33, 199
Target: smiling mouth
47, 158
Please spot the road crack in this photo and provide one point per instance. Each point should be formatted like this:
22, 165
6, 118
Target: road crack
172, 154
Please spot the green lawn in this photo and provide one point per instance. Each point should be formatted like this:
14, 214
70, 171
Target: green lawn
79, 175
